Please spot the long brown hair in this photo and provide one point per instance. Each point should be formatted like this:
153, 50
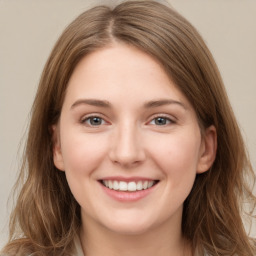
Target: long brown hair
47, 217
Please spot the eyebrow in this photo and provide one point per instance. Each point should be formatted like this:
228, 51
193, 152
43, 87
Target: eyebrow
162, 102
106, 104
92, 102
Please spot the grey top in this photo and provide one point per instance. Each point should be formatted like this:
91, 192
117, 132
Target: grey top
78, 248
79, 251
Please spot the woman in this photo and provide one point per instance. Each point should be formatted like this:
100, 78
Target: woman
133, 147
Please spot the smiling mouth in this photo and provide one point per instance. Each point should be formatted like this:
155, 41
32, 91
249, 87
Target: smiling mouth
131, 186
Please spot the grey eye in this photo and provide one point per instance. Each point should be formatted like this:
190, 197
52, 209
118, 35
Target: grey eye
94, 121
160, 121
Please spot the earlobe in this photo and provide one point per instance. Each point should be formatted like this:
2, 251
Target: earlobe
208, 150
57, 154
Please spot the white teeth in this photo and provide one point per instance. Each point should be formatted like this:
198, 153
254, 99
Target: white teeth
139, 185
123, 186
116, 185
131, 186
150, 183
145, 185
110, 185
128, 186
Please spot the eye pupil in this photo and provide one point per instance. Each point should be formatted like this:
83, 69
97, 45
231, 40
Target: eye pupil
95, 121
160, 121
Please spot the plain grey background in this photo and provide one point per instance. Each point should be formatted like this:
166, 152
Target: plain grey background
29, 29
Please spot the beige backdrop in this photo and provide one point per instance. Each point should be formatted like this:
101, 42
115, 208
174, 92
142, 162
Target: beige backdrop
29, 28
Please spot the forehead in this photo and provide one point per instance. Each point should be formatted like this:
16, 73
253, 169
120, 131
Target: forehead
121, 71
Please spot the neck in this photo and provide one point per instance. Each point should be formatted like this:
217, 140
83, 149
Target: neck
164, 240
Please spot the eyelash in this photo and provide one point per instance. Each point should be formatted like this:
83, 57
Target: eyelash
167, 120
90, 118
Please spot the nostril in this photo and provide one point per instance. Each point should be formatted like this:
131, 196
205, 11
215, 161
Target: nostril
127, 150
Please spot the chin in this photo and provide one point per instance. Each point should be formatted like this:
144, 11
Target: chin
130, 230
129, 226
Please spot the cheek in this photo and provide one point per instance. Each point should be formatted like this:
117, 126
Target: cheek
82, 152
177, 156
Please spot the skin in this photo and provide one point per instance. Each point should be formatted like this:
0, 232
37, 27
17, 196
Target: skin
129, 141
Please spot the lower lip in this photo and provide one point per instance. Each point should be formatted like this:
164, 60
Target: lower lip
126, 196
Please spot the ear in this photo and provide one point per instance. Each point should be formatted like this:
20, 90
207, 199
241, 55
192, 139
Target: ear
57, 155
208, 149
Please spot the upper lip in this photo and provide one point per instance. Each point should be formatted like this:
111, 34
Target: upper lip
127, 179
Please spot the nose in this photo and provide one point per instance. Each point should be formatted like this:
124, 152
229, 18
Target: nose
127, 147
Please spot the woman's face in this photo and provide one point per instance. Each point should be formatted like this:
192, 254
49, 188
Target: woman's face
128, 141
